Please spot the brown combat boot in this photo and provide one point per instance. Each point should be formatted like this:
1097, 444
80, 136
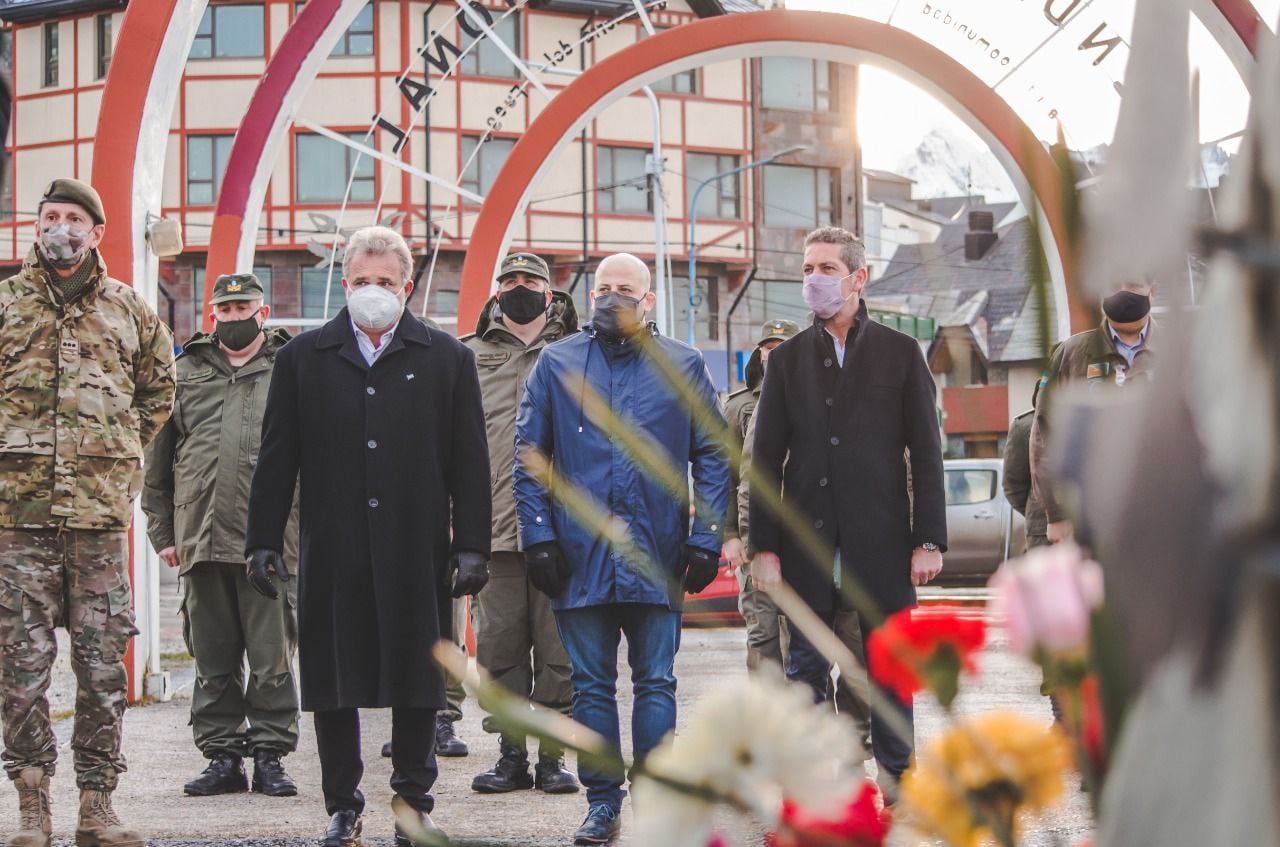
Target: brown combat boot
99, 826
35, 822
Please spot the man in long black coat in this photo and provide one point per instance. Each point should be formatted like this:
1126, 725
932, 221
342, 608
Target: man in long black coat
379, 417
841, 404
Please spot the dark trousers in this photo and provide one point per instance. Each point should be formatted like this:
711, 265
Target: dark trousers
812, 668
413, 757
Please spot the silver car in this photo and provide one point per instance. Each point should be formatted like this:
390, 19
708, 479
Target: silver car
982, 528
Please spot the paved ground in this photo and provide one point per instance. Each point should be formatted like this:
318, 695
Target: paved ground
161, 758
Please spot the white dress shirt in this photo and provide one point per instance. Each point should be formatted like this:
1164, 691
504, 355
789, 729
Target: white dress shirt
366, 345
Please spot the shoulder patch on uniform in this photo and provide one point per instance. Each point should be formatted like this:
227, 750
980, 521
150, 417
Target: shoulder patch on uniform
1097, 370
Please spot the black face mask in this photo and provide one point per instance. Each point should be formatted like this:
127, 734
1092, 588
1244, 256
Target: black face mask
522, 305
237, 335
617, 316
1126, 307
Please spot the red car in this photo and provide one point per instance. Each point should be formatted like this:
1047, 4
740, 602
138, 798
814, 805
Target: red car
717, 605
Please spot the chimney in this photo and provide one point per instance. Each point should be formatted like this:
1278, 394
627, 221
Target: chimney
981, 235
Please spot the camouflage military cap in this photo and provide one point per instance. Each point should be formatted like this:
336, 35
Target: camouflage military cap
236, 287
524, 263
68, 190
777, 331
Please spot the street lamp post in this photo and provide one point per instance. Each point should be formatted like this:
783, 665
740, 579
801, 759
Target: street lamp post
693, 221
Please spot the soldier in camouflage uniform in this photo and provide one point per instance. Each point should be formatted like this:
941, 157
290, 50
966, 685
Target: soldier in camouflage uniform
88, 377
766, 630
196, 497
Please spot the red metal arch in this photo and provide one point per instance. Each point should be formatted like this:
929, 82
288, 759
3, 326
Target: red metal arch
735, 36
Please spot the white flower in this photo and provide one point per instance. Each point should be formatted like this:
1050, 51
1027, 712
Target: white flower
753, 741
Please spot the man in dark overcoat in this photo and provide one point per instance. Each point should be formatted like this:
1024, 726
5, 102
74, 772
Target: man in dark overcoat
841, 404
379, 419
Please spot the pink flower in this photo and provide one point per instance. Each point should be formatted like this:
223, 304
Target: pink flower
1046, 599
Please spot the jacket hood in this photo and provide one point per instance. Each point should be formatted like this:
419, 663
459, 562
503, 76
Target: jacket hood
277, 336
562, 311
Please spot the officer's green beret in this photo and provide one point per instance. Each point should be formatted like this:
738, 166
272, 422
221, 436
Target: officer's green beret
68, 190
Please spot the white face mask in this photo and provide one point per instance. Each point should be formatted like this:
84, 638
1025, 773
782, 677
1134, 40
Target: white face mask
373, 307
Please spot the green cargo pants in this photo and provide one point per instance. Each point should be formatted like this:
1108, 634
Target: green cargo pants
225, 620
516, 637
80, 579
454, 693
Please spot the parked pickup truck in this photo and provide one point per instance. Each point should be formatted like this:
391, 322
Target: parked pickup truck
982, 528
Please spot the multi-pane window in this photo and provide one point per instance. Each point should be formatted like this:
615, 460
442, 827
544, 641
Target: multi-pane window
6, 50
6, 193
313, 288
483, 170
324, 166
805, 84
358, 39
799, 197
486, 59
102, 45
720, 198
206, 162
681, 83
50, 53
621, 184
229, 32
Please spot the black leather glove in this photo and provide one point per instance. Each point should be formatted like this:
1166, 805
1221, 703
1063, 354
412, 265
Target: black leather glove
258, 567
703, 565
469, 572
548, 571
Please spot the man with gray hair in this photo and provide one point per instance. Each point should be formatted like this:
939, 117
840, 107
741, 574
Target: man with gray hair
377, 418
620, 560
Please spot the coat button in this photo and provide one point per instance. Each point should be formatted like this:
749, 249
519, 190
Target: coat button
372, 444
822, 483
835, 441
373, 502
817, 524
369, 390
831, 401
826, 363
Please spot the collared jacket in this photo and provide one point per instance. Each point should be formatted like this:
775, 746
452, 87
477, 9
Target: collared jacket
738, 409
1089, 358
87, 385
615, 518
392, 470
504, 363
1017, 477
198, 470
830, 439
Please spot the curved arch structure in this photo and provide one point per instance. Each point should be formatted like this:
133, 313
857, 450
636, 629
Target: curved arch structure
264, 129
836, 37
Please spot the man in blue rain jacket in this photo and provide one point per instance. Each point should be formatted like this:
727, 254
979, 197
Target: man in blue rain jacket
612, 422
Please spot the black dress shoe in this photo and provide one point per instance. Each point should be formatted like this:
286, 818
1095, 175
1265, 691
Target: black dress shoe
269, 777
344, 829
511, 773
550, 777
224, 775
414, 827
448, 744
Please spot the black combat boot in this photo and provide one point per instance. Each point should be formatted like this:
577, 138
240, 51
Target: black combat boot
224, 775
269, 777
448, 744
511, 773
549, 775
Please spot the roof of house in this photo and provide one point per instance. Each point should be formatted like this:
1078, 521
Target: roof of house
992, 295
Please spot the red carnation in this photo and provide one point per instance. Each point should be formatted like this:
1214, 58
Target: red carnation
860, 824
914, 649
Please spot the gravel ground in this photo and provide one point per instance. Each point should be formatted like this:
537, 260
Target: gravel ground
162, 758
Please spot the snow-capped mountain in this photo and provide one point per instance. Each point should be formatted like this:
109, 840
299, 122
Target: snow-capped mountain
945, 164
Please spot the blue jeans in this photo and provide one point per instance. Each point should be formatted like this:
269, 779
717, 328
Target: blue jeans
812, 668
591, 636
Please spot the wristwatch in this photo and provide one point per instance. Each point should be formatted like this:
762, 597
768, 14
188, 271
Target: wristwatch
930, 547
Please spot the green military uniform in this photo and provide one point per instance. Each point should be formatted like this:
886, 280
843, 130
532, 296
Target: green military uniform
87, 373
1017, 479
513, 620
766, 629
196, 498
1092, 359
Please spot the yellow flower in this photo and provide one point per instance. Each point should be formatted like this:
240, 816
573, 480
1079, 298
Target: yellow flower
973, 782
